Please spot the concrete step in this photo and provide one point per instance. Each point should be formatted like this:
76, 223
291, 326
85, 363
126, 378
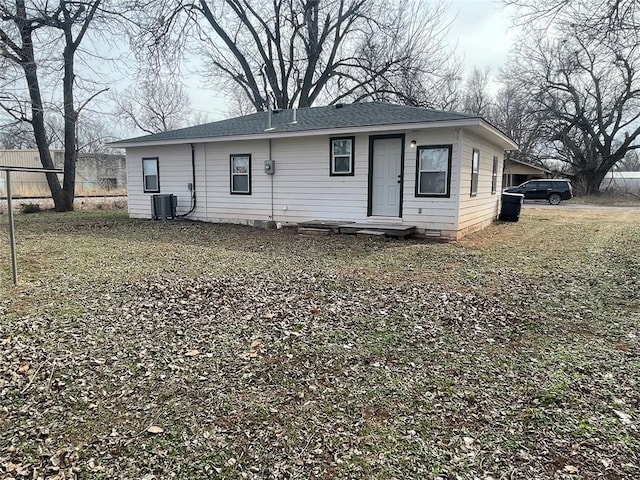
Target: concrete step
317, 232
370, 233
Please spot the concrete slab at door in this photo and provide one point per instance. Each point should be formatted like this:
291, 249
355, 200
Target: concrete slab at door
386, 177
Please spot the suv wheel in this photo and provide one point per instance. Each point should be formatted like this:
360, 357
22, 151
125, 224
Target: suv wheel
555, 199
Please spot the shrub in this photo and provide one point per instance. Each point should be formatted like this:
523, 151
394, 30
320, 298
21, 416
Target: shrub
120, 204
30, 208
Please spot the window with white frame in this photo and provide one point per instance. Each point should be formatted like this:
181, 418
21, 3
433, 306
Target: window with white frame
241, 174
475, 170
494, 176
433, 171
342, 149
150, 175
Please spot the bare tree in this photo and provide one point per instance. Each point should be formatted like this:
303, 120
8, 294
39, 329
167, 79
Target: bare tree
63, 25
589, 92
158, 103
298, 52
630, 162
94, 132
517, 115
15, 135
238, 104
595, 18
446, 92
476, 98
579, 61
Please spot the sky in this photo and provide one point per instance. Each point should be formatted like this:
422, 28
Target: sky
481, 30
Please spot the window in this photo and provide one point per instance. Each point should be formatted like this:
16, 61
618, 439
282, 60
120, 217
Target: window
494, 176
150, 175
475, 169
241, 174
433, 167
535, 185
341, 156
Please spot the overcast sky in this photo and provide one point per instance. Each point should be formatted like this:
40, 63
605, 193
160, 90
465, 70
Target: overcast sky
481, 30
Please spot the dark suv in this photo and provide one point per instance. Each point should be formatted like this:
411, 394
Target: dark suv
548, 189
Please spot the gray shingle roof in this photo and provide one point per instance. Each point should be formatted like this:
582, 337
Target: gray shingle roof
311, 118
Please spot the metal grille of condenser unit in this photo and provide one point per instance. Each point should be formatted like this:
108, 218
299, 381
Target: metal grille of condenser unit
163, 206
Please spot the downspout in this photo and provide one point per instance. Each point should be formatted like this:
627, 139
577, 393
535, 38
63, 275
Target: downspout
460, 160
193, 184
271, 160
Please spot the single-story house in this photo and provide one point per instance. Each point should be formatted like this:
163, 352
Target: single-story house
364, 162
518, 171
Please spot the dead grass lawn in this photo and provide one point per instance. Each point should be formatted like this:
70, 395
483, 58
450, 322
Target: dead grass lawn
512, 354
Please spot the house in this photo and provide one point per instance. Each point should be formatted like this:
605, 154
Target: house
517, 172
95, 172
369, 163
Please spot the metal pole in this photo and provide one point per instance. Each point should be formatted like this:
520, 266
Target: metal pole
12, 237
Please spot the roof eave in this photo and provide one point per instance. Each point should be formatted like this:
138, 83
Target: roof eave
506, 142
530, 165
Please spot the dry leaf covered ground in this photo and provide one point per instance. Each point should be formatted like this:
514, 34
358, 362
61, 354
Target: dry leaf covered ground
152, 350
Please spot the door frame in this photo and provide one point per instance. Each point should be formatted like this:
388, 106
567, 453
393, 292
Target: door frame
372, 138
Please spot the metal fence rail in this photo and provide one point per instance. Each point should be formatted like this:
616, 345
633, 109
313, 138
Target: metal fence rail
12, 237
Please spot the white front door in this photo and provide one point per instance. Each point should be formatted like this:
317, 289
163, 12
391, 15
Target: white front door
386, 177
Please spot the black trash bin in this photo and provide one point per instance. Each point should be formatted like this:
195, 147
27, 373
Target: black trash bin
511, 206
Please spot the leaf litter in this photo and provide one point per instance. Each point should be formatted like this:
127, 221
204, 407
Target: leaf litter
322, 367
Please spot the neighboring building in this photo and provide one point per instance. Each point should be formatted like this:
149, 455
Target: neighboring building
100, 171
95, 173
516, 172
364, 162
621, 182
25, 183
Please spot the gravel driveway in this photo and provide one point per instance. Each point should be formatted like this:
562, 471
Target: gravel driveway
575, 206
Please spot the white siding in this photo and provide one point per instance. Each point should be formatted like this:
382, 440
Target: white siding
220, 203
478, 211
174, 171
430, 214
302, 188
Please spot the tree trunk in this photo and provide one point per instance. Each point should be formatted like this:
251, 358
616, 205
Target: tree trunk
588, 183
37, 118
70, 123
313, 52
